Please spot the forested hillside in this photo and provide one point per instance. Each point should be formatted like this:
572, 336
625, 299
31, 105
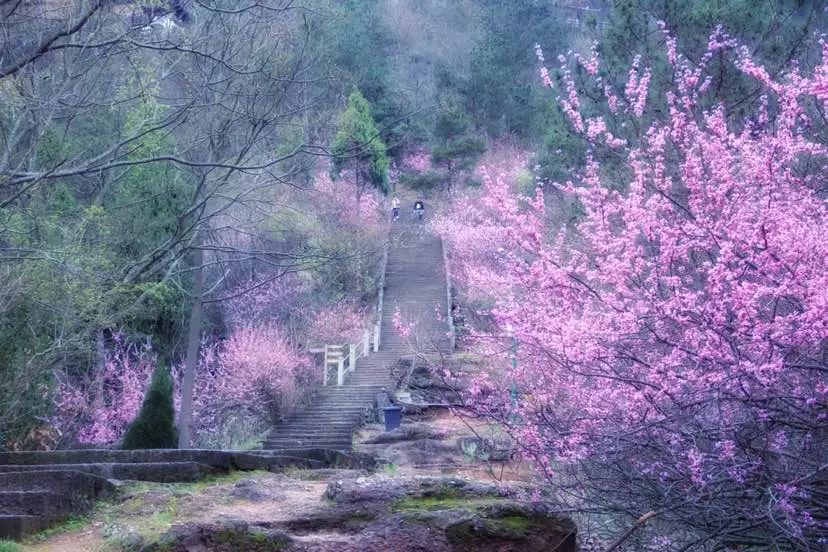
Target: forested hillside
632, 195
165, 168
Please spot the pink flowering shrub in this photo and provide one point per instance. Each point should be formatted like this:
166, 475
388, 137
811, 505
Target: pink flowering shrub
340, 323
668, 352
272, 297
255, 369
416, 160
339, 199
98, 410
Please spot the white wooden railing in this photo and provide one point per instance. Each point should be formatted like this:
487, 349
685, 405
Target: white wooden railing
340, 360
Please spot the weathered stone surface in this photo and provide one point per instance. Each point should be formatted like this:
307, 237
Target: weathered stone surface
345, 519
322, 458
406, 432
36, 503
250, 489
215, 458
66, 482
496, 450
511, 527
31, 500
15, 527
457, 514
419, 452
224, 460
162, 472
383, 488
226, 537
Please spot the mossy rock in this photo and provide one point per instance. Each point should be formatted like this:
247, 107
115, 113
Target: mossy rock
489, 523
512, 529
348, 520
422, 505
219, 538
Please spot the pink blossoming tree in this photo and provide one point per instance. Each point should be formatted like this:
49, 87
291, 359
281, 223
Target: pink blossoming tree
98, 410
255, 369
667, 353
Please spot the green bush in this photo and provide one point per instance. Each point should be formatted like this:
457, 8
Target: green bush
155, 425
9, 546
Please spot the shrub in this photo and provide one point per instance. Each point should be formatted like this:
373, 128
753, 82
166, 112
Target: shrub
155, 425
9, 546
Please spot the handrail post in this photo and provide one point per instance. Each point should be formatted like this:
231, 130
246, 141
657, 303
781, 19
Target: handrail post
366, 342
325, 367
449, 315
340, 371
376, 337
353, 356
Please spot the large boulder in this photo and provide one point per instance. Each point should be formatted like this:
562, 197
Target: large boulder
445, 514
224, 537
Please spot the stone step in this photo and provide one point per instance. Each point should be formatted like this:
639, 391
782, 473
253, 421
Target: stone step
316, 422
63, 481
16, 526
312, 422
343, 401
354, 401
222, 459
161, 472
336, 444
312, 425
299, 441
330, 413
35, 503
303, 436
342, 392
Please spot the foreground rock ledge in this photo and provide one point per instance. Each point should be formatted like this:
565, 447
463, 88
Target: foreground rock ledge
378, 512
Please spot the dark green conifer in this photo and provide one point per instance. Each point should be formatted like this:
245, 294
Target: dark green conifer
155, 425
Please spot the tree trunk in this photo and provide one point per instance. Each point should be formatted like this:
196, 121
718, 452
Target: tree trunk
193, 344
358, 185
100, 369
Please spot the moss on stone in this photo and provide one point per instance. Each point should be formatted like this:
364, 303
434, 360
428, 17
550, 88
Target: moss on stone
514, 524
436, 503
248, 540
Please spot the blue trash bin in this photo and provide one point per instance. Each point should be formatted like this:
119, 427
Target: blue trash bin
392, 416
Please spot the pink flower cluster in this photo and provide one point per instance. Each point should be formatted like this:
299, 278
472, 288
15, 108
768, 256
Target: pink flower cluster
255, 368
341, 323
416, 160
544, 72
351, 207
637, 87
671, 346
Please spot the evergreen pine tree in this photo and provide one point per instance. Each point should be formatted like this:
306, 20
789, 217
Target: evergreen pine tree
358, 144
154, 427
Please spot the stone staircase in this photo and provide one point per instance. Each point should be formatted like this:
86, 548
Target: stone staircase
415, 282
